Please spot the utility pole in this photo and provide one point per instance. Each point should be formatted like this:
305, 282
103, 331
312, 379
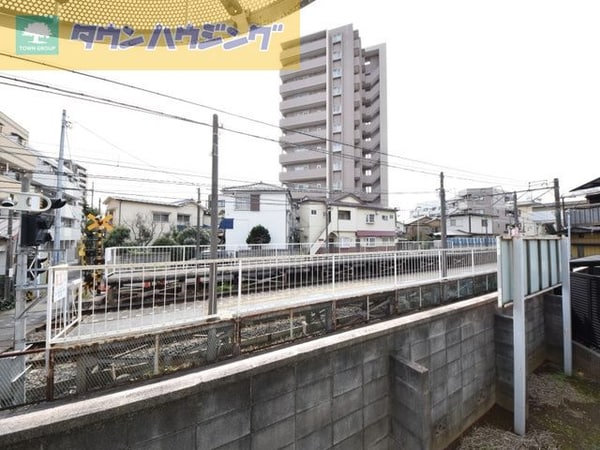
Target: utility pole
557, 206
214, 213
58, 257
198, 224
443, 225
515, 210
8, 273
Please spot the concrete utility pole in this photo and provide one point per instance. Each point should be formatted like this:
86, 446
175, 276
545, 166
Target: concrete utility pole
198, 224
214, 217
58, 257
557, 206
443, 231
515, 209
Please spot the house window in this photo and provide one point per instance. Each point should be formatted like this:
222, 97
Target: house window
313, 212
368, 189
255, 202
384, 217
345, 242
183, 219
452, 222
370, 218
344, 214
242, 202
370, 241
484, 223
160, 217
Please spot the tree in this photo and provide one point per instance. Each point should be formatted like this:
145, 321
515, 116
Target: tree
118, 237
164, 241
142, 232
187, 236
258, 235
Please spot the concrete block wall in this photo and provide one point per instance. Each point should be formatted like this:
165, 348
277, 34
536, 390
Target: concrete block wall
448, 363
343, 391
535, 341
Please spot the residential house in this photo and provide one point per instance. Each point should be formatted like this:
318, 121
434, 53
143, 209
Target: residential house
583, 221
422, 228
158, 217
345, 224
257, 204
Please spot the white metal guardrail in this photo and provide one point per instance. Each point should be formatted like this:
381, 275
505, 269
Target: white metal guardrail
133, 298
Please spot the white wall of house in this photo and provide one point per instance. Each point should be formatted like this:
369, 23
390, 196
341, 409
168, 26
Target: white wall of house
352, 223
472, 224
160, 216
251, 208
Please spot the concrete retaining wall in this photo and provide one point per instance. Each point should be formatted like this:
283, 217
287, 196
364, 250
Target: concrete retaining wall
350, 390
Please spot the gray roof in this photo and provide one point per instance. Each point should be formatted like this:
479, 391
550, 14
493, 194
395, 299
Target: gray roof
255, 187
176, 203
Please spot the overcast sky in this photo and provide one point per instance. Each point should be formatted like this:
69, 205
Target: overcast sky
492, 93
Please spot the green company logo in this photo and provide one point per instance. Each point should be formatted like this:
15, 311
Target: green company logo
37, 35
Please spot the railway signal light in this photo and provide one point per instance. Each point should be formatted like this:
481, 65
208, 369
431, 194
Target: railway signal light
35, 230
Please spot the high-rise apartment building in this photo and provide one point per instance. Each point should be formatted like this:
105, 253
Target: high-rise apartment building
334, 117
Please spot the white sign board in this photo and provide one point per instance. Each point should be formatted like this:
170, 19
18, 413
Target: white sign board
60, 283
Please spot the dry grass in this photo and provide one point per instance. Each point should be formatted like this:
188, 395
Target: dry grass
552, 390
489, 438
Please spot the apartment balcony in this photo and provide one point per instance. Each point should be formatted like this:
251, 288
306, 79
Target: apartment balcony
589, 216
304, 120
372, 127
299, 176
305, 102
301, 156
302, 138
306, 84
371, 79
305, 50
305, 67
369, 97
371, 111
16, 156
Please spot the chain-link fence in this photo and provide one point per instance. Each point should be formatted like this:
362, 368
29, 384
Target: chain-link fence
68, 370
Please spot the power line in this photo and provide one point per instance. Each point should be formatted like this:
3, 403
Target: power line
179, 99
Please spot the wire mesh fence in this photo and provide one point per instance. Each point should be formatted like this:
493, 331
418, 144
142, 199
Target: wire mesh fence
71, 369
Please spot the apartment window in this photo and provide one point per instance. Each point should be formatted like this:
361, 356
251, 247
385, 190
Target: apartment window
337, 166
336, 147
183, 219
484, 223
336, 55
337, 37
337, 73
452, 222
384, 217
336, 90
344, 214
255, 202
242, 202
370, 218
368, 155
368, 189
337, 128
313, 212
160, 217
368, 172
370, 241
